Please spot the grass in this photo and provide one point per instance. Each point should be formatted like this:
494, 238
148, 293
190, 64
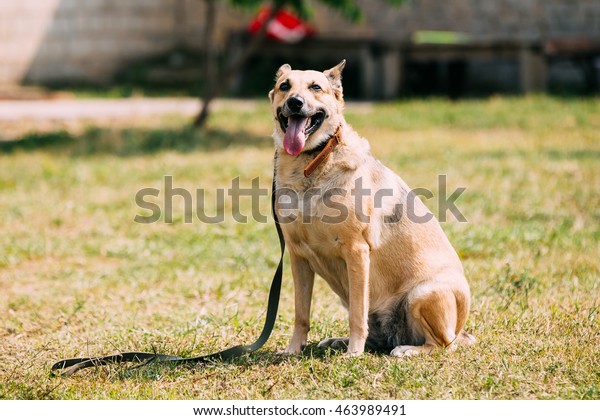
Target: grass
79, 277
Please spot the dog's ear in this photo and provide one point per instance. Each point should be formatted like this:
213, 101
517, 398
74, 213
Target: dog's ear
283, 70
334, 75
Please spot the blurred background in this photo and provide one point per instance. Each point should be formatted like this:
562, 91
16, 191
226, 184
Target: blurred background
394, 48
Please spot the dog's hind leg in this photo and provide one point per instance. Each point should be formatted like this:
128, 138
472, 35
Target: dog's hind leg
438, 312
334, 343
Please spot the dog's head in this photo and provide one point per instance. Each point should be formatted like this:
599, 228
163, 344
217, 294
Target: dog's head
307, 106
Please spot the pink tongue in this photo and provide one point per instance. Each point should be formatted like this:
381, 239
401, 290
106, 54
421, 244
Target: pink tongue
294, 139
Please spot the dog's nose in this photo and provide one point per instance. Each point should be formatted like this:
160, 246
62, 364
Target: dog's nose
295, 103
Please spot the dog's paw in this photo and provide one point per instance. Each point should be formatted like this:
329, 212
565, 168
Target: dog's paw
352, 354
334, 343
466, 338
291, 351
406, 351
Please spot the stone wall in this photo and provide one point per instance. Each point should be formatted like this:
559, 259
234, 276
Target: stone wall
488, 19
89, 40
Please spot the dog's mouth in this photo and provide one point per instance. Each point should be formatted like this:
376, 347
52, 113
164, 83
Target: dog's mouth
311, 124
297, 128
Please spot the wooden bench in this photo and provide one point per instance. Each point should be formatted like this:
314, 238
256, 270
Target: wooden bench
582, 51
363, 51
529, 56
382, 63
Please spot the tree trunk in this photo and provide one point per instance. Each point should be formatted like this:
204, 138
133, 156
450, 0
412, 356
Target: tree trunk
209, 65
215, 86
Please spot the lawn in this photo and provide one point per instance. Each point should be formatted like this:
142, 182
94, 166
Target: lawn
79, 277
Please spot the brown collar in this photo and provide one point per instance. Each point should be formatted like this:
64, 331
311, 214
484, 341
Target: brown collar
324, 154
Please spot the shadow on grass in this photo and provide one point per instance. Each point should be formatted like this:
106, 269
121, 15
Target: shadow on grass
134, 141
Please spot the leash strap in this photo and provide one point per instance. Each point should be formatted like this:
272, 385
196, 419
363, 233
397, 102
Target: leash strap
70, 366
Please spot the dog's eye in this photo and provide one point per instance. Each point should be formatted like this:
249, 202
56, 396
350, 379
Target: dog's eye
315, 87
284, 87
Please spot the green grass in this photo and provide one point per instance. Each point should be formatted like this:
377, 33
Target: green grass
79, 277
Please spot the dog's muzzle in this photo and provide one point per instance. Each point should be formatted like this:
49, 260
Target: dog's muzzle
298, 126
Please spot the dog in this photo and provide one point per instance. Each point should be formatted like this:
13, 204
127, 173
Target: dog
381, 251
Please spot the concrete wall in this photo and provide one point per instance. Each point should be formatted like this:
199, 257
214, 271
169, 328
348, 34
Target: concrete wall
89, 40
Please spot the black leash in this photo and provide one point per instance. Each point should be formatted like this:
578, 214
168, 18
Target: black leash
70, 366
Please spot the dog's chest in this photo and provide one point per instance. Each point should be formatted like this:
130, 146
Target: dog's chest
321, 247
316, 218
307, 236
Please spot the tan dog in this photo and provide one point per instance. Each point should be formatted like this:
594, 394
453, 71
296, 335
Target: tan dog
348, 218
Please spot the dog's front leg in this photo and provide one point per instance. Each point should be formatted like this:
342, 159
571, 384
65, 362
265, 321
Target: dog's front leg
357, 263
304, 278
